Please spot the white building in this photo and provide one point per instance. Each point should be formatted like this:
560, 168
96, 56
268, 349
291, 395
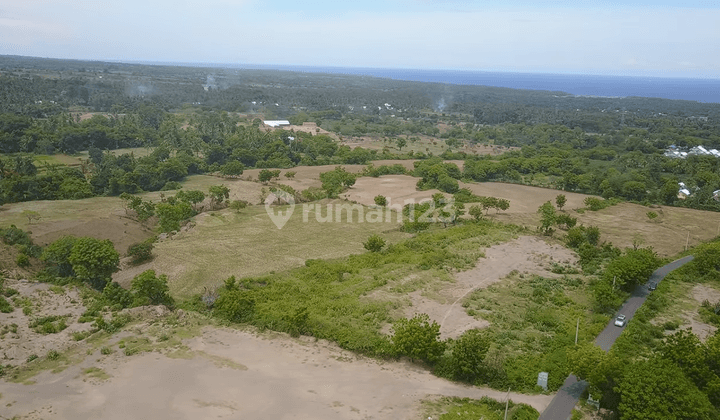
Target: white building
276, 123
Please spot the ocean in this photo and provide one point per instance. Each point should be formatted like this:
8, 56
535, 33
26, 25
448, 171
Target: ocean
700, 90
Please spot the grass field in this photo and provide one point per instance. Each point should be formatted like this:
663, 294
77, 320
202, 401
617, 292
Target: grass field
247, 243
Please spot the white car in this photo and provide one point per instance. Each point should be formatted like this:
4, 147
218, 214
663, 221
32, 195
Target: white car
620, 321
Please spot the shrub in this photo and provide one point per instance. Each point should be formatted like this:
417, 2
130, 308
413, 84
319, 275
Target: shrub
148, 289
49, 324
418, 338
468, 354
374, 243
5, 306
53, 355
105, 350
22, 260
235, 306
380, 200
115, 294
141, 251
290, 174
238, 205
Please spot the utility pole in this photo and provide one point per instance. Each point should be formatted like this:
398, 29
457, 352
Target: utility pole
687, 241
614, 277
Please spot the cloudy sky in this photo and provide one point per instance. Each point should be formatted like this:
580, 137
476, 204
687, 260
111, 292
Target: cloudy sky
646, 37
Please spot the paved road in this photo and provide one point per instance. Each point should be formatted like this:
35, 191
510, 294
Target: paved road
561, 406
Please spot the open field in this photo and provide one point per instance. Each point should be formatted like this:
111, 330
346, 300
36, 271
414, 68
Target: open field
619, 224
225, 373
426, 144
682, 309
247, 243
78, 158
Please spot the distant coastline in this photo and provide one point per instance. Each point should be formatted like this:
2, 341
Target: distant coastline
691, 89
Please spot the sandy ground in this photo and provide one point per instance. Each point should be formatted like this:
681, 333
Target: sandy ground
16, 347
276, 378
700, 293
526, 254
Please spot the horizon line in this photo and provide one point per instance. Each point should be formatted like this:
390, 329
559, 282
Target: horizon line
274, 66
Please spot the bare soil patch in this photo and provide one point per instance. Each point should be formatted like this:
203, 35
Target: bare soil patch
16, 347
234, 374
527, 254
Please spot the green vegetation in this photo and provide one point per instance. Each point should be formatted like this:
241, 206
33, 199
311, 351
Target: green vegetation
326, 299
375, 243
649, 374
418, 338
49, 324
453, 408
141, 251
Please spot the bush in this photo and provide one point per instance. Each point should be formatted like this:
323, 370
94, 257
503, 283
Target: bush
22, 260
94, 261
468, 354
115, 294
374, 243
148, 289
380, 200
53, 355
235, 306
141, 251
418, 338
49, 324
5, 306
238, 205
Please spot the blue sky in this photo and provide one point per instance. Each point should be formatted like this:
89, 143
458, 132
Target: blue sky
649, 37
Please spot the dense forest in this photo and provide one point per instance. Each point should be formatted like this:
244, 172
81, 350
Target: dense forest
202, 119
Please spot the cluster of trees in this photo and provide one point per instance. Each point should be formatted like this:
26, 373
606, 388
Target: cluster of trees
680, 380
172, 211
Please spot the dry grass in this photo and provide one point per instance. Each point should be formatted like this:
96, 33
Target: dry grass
244, 244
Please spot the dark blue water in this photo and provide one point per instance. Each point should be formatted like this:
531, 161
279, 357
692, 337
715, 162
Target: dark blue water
701, 90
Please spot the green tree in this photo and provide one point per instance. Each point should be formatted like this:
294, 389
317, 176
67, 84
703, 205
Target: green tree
707, 258
632, 268
149, 289
657, 389
547, 217
232, 169
117, 295
31, 215
476, 212
218, 194
265, 176
57, 256
337, 180
401, 142
375, 243
418, 338
468, 355
94, 261
191, 196
141, 251
560, 201
172, 214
